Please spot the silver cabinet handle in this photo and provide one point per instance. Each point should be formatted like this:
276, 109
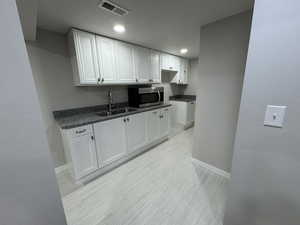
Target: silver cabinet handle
80, 131
124, 120
92, 137
128, 119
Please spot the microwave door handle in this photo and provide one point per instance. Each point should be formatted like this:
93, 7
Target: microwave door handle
158, 96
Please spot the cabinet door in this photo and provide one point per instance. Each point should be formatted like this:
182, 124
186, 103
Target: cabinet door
105, 50
169, 62
184, 70
164, 61
190, 112
181, 111
83, 153
124, 62
136, 132
110, 139
153, 129
155, 67
175, 62
87, 61
164, 122
142, 62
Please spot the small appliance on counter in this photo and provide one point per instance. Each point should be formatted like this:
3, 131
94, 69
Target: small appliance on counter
145, 96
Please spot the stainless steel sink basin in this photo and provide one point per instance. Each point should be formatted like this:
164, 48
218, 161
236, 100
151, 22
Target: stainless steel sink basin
115, 112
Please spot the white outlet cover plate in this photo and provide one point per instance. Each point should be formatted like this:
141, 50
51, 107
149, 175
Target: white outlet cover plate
274, 116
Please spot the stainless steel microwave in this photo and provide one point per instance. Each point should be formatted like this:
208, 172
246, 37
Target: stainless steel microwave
145, 96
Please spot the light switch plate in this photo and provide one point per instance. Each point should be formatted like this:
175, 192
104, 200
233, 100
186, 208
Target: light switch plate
275, 116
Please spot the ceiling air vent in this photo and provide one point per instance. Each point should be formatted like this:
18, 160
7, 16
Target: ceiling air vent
113, 8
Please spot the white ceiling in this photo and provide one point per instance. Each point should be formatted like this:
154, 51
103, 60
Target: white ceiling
167, 25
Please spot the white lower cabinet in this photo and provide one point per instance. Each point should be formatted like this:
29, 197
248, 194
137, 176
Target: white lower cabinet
158, 124
184, 112
80, 150
93, 147
153, 126
136, 132
164, 122
110, 137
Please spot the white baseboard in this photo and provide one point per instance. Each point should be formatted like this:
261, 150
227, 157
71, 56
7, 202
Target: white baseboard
211, 168
61, 168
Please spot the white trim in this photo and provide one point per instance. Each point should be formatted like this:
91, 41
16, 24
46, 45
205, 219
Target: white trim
62, 168
211, 168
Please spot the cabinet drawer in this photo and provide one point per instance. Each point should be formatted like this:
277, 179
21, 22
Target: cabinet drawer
79, 131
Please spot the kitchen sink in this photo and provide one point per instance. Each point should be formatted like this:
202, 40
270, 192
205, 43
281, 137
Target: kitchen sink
115, 112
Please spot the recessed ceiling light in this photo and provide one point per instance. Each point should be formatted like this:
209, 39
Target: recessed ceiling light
183, 50
119, 28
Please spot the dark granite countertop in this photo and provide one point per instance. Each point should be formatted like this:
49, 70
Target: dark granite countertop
183, 98
72, 118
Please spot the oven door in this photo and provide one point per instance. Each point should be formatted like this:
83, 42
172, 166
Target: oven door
150, 96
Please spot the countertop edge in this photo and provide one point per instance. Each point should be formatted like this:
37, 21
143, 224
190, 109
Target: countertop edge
101, 119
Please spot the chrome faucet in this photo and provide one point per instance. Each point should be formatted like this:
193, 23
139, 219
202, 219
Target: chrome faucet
110, 101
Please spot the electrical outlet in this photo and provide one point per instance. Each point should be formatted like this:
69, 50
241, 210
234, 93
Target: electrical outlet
274, 116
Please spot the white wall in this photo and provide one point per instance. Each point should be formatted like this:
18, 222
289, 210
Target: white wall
29, 192
223, 50
265, 174
52, 73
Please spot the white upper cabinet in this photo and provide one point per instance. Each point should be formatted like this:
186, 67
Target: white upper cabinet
106, 59
98, 60
142, 62
124, 62
170, 62
166, 62
181, 77
155, 75
84, 57
184, 71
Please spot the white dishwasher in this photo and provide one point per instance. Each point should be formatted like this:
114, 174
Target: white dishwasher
183, 112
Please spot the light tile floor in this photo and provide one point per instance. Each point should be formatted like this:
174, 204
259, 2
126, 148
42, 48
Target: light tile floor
160, 187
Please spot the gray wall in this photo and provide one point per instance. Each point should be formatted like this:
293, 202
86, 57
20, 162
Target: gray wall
29, 192
223, 50
265, 176
52, 73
